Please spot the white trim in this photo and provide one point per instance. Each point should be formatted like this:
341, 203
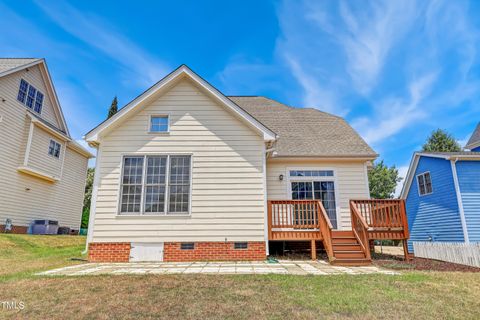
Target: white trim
183, 70
149, 131
473, 145
459, 201
316, 178
93, 202
365, 165
29, 144
425, 183
265, 200
38, 173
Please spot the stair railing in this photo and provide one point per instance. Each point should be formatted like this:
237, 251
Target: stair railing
326, 229
360, 230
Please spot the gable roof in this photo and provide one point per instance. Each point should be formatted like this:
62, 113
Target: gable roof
180, 72
474, 140
11, 65
306, 132
449, 156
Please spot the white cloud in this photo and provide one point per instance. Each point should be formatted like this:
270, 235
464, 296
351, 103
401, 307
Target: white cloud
137, 63
394, 114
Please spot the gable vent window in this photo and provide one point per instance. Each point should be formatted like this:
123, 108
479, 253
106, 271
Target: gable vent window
30, 96
159, 124
424, 184
240, 245
187, 246
54, 149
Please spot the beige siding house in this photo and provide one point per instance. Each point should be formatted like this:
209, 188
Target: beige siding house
43, 170
186, 173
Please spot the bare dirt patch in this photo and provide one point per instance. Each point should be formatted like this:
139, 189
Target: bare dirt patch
420, 264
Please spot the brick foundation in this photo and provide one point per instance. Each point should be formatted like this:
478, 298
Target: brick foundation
109, 252
214, 251
15, 229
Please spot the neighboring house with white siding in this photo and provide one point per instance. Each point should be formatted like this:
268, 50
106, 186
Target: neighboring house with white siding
43, 170
186, 173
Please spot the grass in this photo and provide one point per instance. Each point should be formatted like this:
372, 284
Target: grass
420, 295
23, 255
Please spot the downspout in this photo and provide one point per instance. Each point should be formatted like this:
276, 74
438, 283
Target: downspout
459, 200
93, 202
265, 223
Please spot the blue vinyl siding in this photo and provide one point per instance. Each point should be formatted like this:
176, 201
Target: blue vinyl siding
468, 173
477, 149
435, 215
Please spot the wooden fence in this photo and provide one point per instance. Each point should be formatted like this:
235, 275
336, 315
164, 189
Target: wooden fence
461, 253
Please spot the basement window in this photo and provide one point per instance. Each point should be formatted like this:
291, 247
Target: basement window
240, 245
187, 246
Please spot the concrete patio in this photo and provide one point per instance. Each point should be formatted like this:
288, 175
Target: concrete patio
287, 267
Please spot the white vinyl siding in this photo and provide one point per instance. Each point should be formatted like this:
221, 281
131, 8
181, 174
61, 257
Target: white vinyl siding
227, 200
350, 182
39, 157
23, 197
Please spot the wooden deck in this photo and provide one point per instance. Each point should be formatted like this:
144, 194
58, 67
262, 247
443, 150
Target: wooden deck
307, 220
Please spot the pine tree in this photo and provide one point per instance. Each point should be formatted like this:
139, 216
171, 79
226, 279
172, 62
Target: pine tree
113, 108
441, 141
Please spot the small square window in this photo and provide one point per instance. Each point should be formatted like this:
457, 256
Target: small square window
159, 124
54, 149
187, 246
240, 245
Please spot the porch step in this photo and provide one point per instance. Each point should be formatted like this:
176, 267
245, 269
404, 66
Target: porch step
351, 262
349, 254
354, 246
343, 234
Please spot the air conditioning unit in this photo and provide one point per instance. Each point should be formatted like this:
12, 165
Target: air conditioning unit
44, 227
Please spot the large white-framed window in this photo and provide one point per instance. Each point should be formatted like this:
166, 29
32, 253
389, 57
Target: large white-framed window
159, 124
315, 184
424, 182
156, 184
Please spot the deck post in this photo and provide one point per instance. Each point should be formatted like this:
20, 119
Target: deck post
314, 250
405, 250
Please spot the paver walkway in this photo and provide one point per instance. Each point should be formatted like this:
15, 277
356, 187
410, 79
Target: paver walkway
258, 267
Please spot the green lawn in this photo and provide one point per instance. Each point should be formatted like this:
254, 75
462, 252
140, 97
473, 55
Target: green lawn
419, 295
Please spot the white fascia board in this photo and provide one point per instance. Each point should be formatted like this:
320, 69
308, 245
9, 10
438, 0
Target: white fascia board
409, 178
94, 134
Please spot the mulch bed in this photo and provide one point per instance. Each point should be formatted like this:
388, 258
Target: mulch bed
397, 263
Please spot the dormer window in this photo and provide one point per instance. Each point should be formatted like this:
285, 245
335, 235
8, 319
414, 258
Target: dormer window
30, 96
159, 124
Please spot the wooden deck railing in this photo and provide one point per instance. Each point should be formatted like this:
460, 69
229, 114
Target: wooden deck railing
300, 220
383, 214
360, 229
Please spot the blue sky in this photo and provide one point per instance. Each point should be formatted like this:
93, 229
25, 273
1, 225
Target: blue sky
396, 70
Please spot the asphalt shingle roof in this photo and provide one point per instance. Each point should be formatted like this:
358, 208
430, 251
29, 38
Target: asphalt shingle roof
12, 63
475, 138
305, 131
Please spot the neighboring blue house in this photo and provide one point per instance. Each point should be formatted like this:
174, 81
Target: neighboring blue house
442, 192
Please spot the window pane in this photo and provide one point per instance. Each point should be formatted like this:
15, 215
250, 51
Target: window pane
302, 190
428, 183
155, 184
31, 96
22, 91
131, 198
51, 148
421, 184
311, 173
179, 184
325, 191
38, 102
159, 124
133, 170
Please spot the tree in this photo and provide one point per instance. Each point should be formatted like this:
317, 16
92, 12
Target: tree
441, 141
87, 199
383, 181
113, 108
